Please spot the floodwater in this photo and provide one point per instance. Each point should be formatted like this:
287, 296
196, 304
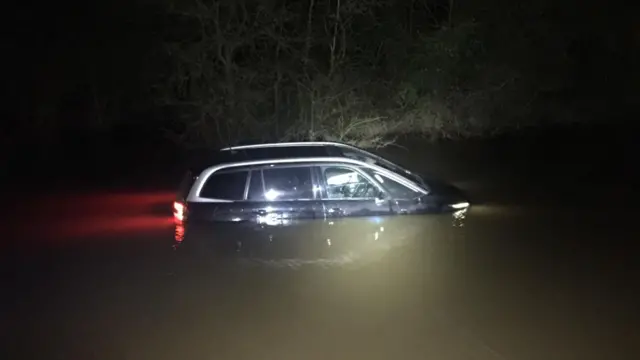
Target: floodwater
535, 271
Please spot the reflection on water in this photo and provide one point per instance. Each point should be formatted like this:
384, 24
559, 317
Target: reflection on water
179, 232
458, 218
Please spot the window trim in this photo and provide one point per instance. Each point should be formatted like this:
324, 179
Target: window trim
247, 184
223, 172
194, 197
250, 173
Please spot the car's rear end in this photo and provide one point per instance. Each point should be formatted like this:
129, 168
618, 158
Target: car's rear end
180, 202
197, 163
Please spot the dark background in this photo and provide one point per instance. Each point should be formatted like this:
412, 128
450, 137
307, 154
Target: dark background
530, 107
82, 78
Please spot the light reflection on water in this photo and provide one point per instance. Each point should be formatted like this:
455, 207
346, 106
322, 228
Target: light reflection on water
179, 233
458, 218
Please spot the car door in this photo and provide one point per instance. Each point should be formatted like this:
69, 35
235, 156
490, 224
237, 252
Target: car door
411, 206
404, 200
356, 209
283, 207
348, 192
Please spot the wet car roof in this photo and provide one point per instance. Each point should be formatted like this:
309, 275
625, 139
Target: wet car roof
231, 156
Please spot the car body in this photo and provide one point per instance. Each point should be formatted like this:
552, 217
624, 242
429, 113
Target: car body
255, 198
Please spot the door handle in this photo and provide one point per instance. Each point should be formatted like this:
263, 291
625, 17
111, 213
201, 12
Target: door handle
260, 212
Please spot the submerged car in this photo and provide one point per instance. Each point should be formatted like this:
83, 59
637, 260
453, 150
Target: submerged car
286, 199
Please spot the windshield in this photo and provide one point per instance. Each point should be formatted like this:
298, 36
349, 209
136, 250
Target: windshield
369, 158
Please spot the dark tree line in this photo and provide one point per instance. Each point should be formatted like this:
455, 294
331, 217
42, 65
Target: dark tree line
364, 71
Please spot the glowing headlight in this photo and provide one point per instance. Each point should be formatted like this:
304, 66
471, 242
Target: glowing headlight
460, 205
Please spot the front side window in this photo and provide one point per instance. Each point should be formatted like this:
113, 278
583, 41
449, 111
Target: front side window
346, 183
394, 188
383, 163
225, 186
289, 183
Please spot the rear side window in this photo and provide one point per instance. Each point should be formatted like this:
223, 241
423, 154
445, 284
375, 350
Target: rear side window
225, 186
293, 183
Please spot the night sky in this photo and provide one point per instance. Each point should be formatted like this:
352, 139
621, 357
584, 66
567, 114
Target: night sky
99, 77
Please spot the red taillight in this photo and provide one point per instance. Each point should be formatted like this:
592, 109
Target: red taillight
178, 211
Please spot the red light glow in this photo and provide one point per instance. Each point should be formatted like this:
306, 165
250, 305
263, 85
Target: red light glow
179, 233
178, 211
65, 219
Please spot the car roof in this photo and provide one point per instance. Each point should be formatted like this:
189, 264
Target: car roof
266, 151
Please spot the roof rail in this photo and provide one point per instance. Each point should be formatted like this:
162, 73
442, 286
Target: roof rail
285, 144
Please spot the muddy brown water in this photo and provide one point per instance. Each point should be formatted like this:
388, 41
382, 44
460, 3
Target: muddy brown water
543, 267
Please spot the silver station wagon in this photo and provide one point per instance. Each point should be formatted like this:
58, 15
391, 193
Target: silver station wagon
306, 201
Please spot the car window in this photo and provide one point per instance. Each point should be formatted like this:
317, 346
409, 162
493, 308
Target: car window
346, 183
383, 163
225, 186
395, 189
290, 183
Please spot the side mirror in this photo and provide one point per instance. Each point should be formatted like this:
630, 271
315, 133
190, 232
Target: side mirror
381, 196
